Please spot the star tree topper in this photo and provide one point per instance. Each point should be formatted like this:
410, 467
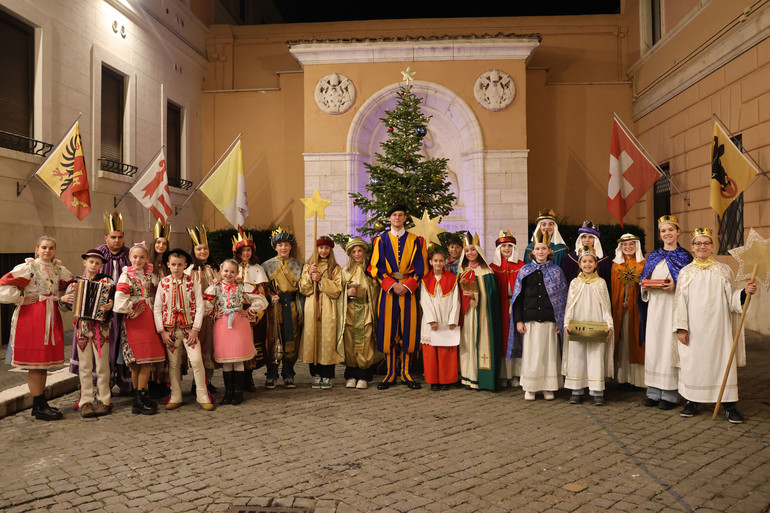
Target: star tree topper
408, 74
427, 228
755, 251
315, 205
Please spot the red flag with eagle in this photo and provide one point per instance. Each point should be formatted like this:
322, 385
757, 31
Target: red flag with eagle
631, 172
151, 189
64, 172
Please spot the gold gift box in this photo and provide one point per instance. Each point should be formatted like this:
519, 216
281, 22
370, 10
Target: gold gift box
588, 331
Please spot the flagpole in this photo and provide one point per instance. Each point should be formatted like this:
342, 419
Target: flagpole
647, 154
208, 175
742, 148
19, 189
144, 170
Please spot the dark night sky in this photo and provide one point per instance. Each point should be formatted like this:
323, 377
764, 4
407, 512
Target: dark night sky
300, 11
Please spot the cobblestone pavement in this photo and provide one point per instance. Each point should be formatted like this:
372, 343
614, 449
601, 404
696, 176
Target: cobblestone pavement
396, 451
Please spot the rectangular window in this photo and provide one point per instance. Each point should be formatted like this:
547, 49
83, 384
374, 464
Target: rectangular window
731, 223
656, 21
113, 109
17, 48
173, 143
661, 200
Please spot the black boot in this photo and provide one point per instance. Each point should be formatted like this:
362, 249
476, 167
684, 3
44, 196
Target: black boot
238, 377
143, 404
227, 376
41, 410
248, 381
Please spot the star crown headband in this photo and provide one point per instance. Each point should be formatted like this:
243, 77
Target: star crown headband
161, 231
113, 222
198, 235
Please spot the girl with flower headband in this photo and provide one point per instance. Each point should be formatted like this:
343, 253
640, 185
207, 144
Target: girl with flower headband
141, 345
658, 281
321, 283
37, 333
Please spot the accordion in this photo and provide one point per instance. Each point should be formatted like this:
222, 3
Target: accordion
587, 331
90, 297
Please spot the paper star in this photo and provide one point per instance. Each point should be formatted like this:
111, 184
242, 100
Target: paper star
755, 251
427, 228
408, 74
315, 205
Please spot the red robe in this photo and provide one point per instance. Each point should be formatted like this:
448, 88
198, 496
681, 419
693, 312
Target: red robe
505, 275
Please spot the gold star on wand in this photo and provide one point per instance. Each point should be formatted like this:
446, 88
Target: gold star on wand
427, 228
315, 205
408, 74
756, 251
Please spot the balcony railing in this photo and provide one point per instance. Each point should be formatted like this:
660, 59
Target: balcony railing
119, 168
24, 144
179, 183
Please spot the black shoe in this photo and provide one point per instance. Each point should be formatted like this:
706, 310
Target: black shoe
228, 379
576, 399
143, 404
238, 379
666, 405
690, 409
384, 385
289, 383
444, 387
248, 382
270, 383
435, 388
211, 388
650, 403
733, 416
41, 410
598, 400
412, 384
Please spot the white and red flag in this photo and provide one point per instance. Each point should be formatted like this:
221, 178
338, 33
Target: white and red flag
631, 172
151, 189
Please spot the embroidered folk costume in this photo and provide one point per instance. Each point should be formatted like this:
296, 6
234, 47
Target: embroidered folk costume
398, 257
178, 311
539, 299
205, 274
323, 315
585, 364
284, 274
440, 302
571, 268
357, 338
36, 340
480, 343
558, 247
626, 272
656, 319
134, 297
506, 270
707, 306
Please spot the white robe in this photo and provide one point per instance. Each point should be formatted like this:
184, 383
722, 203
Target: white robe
659, 370
586, 364
441, 309
706, 306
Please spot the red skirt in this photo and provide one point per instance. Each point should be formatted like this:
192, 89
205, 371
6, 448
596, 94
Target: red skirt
30, 349
145, 343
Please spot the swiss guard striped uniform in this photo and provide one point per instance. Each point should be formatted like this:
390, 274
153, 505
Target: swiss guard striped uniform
395, 259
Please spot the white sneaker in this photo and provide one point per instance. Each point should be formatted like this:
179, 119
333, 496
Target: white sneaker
351, 383
316, 381
529, 396
548, 396
515, 382
326, 384
362, 384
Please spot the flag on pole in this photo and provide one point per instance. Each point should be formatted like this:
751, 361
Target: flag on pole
226, 187
64, 172
731, 171
151, 189
631, 172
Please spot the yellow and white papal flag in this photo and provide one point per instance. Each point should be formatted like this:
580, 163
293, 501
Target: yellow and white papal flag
226, 187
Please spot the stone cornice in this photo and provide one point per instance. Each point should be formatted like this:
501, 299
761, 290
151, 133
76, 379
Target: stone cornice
409, 49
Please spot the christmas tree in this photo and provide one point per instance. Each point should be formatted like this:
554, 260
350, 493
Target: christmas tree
401, 174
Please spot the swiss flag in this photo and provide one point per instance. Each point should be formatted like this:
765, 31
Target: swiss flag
631, 173
151, 189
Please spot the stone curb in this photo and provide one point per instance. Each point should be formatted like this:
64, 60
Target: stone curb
18, 398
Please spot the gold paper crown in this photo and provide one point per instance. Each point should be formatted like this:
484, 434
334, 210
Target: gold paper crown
542, 236
242, 239
586, 250
505, 236
281, 235
161, 231
627, 237
113, 222
353, 242
668, 219
467, 241
198, 235
546, 214
702, 232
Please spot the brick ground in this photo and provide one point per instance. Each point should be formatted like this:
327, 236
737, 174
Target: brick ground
396, 451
